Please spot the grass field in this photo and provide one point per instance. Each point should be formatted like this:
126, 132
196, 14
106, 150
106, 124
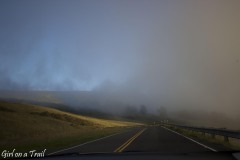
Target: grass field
26, 127
233, 143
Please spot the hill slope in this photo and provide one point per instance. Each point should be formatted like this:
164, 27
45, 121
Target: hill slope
25, 126
75, 100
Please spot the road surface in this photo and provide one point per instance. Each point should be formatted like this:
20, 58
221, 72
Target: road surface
143, 139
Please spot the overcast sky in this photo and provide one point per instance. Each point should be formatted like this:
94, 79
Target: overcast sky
177, 52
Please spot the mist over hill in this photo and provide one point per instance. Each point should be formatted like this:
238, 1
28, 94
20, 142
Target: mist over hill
68, 100
99, 105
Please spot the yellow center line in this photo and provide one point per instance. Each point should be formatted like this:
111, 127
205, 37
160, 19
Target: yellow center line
128, 142
119, 148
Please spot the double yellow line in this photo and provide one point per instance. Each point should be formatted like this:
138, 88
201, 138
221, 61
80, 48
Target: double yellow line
128, 142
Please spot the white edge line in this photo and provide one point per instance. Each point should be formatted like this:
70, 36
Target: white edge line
84, 143
214, 150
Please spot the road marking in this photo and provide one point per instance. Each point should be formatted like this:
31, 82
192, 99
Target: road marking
129, 141
214, 150
121, 148
84, 143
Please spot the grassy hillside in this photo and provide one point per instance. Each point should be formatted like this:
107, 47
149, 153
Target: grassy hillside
36, 96
25, 126
78, 101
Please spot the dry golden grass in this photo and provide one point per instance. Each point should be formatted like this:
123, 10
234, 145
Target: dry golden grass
24, 126
233, 144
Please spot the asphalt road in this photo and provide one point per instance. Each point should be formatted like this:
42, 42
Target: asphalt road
142, 139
